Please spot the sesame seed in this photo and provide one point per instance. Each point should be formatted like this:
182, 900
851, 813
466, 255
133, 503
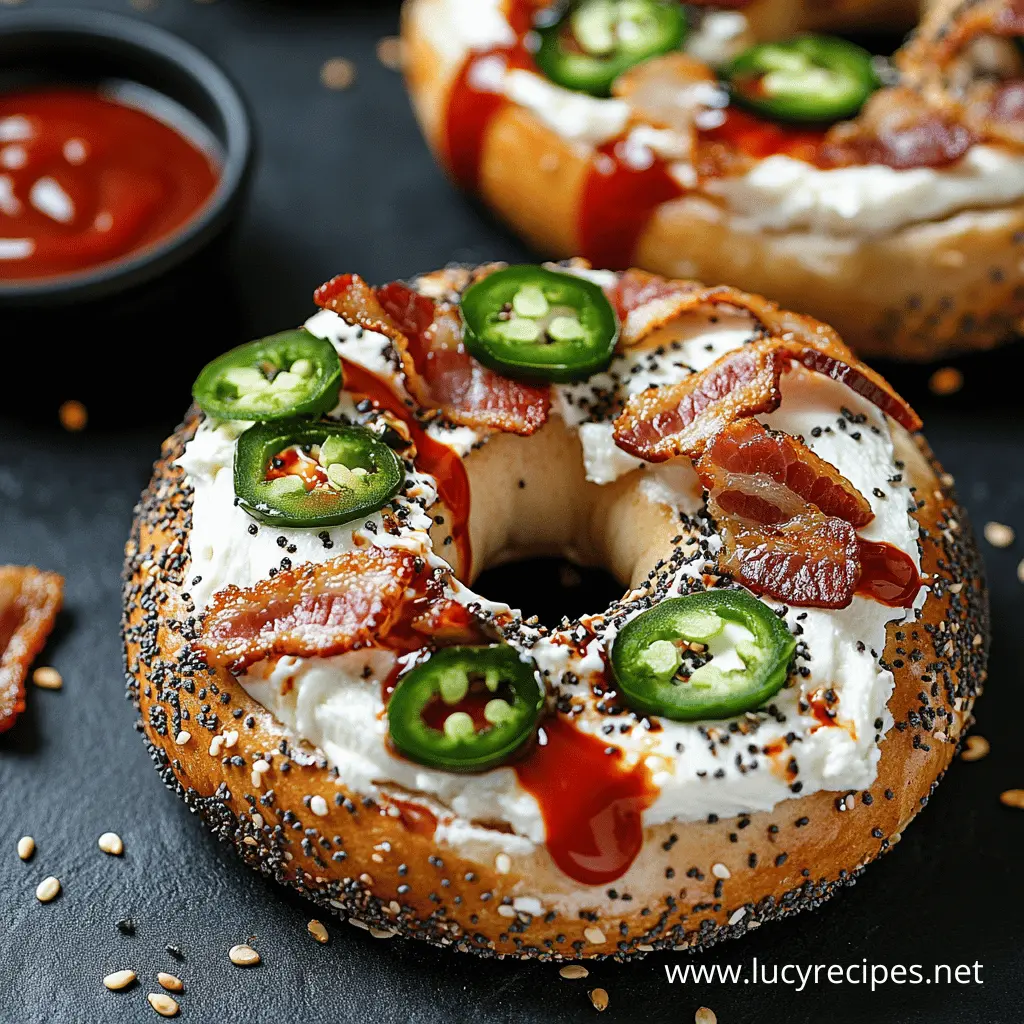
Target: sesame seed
230, 738
594, 935
183, 737
170, 982
243, 956
215, 746
599, 997
47, 678
573, 972
260, 766
119, 980
975, 749
73, 416
720, 871
503, 863
947, 380
705, 1016
1013, 798
505, 910
383, 933
999, 535
47, 889
26, 847
110, 842
337, 73
318, 931
164, 1005
737, 915
318, 805
389, 52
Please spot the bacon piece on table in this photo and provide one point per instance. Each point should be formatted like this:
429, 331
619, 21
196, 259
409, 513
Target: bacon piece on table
29, 602
439, 371
320, 610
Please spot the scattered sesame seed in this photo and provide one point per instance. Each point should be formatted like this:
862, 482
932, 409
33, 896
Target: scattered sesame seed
119, 980
506, 910
48, 889
720, 871
337, 73
164, 1005
183, 737
318, 805
947, 380
170, 982
594, 935
573, 972
975, 749
260, 766
383, 933
26, 847
705, 1016
599, 997
999, 535
389, 52
73, 416
230, 738
215, 746
1013, 798
317, 930
737, 915
47, 678
110, 842
243, 956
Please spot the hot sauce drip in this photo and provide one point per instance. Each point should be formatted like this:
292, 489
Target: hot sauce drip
887, 575
86, 180
294, 461
591, 804
440, 461
758, 138
619, 198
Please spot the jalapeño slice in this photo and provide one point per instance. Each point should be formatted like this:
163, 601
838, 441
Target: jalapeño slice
297, 473
662, 664
466, 709
595, 41
289, 374
539, 324
812, 78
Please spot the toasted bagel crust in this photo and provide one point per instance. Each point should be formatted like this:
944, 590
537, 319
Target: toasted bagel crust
385, 873
919, 293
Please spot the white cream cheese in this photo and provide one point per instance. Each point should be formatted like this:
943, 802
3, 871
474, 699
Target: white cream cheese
329, 703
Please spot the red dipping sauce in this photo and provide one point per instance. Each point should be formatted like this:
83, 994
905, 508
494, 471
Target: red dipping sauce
88, 178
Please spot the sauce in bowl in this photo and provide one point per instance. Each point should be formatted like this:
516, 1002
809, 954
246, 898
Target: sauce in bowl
91, 176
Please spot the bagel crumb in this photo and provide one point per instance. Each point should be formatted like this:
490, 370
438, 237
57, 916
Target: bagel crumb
164, 1005
947, 380
110, 842
26, 847
243, 956
318, 931
318, 805
999, 535
47, 678
1013, 798
337, 73
599, 997
594, 935
49, 888
705, 1016
182, 738
573, 972
975, 748
119, 980
170, 982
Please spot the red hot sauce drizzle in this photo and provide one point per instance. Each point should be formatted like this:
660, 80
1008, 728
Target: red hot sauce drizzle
591, 805
887, 575
433, 457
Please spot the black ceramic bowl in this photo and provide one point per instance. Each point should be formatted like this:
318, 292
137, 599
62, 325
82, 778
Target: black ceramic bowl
83, 48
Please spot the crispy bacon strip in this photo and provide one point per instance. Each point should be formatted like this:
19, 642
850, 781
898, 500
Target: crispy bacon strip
439, 371
29, 602
320, 610
757, 463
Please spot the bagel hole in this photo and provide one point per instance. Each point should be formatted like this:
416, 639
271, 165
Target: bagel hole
550, 588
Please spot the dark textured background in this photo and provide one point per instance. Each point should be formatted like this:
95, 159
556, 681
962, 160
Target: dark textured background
345, 183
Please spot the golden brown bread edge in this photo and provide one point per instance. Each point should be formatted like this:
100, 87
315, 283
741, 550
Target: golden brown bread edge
361, 861
920, 293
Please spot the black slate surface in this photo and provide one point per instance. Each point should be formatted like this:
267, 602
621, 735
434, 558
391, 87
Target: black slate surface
344, 183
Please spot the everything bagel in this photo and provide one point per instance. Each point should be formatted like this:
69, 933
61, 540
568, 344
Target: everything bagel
886, 198
790, 670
